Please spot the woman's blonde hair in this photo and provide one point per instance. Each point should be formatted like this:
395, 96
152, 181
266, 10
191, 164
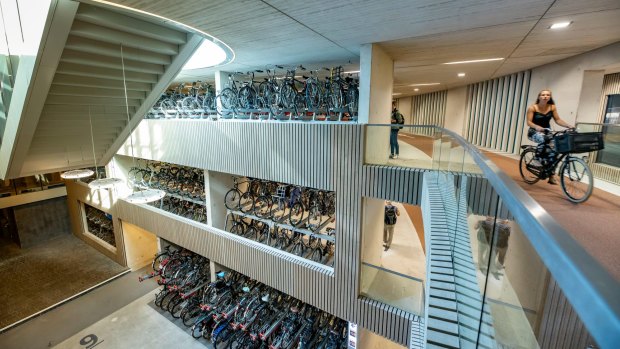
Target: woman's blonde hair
550, 96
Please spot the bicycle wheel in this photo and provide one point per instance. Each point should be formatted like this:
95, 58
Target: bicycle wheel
246, 202
314, 218
296, 214
525, 167
190, 316
576, 179
279, 210
262, 206
232, 199
247, 97
227, 103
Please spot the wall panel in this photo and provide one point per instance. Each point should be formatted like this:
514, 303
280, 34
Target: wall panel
429, 109
496, 112
611, 85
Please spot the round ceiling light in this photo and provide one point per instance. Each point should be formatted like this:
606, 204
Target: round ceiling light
104, 183
145, 196
77, 174
209, 54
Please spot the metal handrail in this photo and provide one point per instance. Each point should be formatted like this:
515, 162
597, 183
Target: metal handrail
597, 124
591, 290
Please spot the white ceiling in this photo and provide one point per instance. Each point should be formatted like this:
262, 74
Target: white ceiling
418, 34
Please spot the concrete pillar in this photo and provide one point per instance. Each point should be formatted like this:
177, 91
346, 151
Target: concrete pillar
588, 109
376, 80
217, 184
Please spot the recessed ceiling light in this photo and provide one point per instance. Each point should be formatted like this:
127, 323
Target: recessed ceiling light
560, 25
476, 61
351, 72
461, 75
427, 84
416, 89
396, 94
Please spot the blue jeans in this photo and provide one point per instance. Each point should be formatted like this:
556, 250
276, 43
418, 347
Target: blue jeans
394, 142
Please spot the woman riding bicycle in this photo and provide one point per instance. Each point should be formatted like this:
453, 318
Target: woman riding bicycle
539, 117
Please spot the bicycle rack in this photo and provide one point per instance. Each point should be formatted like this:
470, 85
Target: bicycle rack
296, 229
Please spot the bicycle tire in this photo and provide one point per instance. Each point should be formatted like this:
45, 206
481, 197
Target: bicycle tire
246, 202
524, 166
176, 299
278, 212
262, 206
227, 103
197, 330
573, 173
247, 97
190, 316
232, 199
160, 297
296, 214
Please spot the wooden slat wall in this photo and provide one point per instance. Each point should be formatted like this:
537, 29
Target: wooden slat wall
320, 156
429, 109
560, 326
496, 112
611, 85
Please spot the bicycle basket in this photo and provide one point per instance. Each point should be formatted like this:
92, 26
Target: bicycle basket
579, 142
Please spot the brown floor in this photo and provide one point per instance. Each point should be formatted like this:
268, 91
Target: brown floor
41, 276
594, 223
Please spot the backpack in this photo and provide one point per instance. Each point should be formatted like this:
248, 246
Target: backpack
399, 119
390, 215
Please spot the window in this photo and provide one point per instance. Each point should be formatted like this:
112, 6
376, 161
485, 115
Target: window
611, 134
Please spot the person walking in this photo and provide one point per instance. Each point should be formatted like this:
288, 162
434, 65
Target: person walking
389, 220
398, 119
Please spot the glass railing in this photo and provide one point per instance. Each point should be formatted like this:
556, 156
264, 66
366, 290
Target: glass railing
505, 246
398, 290
609, 156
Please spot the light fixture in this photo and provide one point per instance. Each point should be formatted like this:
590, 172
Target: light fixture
139, 196
460, 75
77, 174
560, 25
145, 196
351, 72
427, 84
416, 89
396, 94
99, 183
476, 61
209, 54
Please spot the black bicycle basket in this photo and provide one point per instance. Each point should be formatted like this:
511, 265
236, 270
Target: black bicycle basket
579, 142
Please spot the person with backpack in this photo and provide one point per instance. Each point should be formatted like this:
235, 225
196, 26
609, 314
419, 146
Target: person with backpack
389, 220
398, 119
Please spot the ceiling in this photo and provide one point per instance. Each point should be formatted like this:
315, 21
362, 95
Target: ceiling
81, 74
419, 35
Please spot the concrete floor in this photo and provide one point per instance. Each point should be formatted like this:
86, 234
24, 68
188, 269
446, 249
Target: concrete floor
73, 318
41, 276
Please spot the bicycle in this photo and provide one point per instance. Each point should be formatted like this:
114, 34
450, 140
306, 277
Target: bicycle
575, 175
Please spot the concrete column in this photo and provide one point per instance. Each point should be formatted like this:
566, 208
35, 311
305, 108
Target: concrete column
216, 185
376, 80
221, 80
590, 97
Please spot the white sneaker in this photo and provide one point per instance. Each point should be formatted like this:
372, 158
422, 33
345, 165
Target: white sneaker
395, 156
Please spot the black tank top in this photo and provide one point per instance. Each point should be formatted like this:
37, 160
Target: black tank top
543, 120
